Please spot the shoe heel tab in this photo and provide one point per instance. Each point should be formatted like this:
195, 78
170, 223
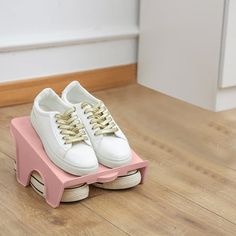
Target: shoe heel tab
69, 87
45, 92
76, 87
75, 83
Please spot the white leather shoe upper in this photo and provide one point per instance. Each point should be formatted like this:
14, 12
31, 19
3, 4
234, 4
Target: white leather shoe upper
109, 142
63, 136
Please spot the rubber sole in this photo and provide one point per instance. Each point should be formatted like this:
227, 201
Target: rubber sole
81, 192
130, 180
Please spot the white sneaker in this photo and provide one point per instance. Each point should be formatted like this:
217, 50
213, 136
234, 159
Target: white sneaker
109, 143
62, 134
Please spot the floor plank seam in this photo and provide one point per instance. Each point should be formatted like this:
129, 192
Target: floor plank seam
183, 197
85, 205
6, 154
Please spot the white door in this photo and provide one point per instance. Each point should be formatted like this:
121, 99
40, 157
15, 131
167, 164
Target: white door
228, 65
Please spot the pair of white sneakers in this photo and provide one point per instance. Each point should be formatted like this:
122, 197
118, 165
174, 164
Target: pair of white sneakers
77, 131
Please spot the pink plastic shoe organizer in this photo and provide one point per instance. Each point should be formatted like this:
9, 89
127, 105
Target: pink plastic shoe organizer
30, 156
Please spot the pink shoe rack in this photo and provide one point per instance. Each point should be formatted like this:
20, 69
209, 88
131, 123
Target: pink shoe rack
30, 156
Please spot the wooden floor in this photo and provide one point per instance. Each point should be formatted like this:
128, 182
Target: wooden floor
190, 188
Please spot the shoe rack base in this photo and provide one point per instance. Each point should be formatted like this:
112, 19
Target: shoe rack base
30, 156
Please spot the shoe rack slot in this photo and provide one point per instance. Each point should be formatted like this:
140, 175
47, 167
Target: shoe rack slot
30, 156
107, 177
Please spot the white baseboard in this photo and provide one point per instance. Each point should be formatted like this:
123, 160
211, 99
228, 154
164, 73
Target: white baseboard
60, 54
60, 39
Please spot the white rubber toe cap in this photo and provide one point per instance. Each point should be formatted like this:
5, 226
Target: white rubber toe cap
82, 157
114, 152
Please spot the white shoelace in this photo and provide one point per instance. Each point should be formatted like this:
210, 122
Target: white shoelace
70, 127
100, 118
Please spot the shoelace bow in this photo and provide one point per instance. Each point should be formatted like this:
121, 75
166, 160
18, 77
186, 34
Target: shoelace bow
100, 118
70, 127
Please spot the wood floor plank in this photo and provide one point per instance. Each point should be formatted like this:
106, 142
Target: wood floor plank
148, 211
6, 115
186, 154
191, 185
23, 212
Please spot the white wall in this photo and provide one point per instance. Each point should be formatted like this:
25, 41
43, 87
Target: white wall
180, 43
41, 38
